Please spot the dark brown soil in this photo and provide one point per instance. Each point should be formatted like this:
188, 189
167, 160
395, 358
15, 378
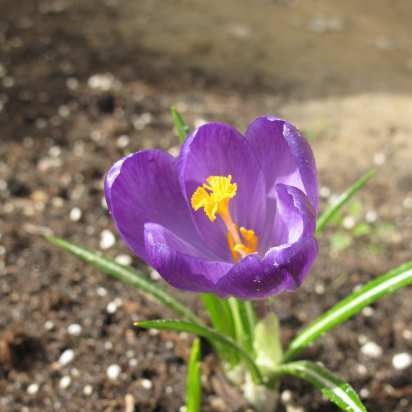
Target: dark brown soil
83, 83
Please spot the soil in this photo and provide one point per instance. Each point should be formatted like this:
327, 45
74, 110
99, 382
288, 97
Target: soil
83, 83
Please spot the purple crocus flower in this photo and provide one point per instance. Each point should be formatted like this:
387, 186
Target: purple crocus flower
232, 215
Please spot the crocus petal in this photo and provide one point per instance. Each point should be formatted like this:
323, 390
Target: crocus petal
285, 156
179, 263
285, 265
283, 269
143, 187
217, 149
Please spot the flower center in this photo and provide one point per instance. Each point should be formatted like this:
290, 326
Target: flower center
214, 196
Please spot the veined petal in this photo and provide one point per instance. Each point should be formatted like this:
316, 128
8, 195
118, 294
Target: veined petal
285, 156
216, 149
143, 187
179, 263
283, 269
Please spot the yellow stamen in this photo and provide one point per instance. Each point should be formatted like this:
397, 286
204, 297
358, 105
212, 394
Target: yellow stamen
214, 197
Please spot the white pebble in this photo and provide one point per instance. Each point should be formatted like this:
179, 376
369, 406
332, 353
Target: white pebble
319, 288
88, 390
154, 274
48, 325
75, 214
371, 216
364, 393
368, 311
113, 372
324, 192
112, 307
66, 357
146, 384
401, 361
407, 203
123, 141
371, 349
74, 329
101, 291
407, 334
33, 388
348, 222
379, 159
123, 259
362, 370
133, 363
286, 396
65, 382
107, 239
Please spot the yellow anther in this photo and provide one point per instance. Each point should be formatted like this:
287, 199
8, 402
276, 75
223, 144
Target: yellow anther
213, 197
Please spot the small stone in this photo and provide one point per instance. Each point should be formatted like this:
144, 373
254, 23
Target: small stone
371, 349
113, 372
48, 325
401, 361
65, 382
133, 363
101, 291
125, 260
407, 334
33, 388
319, 288
362, 370
379, 159
87, 390
348, 222
371, 216
112, 307
75, 214
294, 408
66, 357
146, 384
325, 192
74, 329
368, 311
286, 396
154, 274
407, 203
123, 141
364, 393
107, 239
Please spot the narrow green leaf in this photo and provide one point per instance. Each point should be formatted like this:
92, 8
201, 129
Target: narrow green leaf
126, 275
331, 211
351, 305
212, 335
193, 383
182, 129
267, 344
222, 320
244, 319
333, 387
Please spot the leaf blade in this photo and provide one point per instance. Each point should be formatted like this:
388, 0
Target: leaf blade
334, 388
126, 275
210, 334
193, 382
182, 129
331, 211
351, 305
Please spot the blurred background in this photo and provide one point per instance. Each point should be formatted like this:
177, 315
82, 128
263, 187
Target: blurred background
84, 82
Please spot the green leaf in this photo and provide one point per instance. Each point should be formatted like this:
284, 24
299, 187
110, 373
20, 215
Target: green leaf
244, 319
212, 335
267, 344
182, 129
351, 305
330, 212
222, 320
126, 275
333, 387
193, 383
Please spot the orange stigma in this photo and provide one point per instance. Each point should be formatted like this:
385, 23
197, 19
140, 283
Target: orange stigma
214, 197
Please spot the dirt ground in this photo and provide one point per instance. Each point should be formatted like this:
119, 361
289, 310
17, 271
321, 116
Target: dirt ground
83, 83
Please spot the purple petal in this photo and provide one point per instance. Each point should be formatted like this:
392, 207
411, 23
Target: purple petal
283, 269
179, 263
285, 156
143, 187
217, 149
285, 265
